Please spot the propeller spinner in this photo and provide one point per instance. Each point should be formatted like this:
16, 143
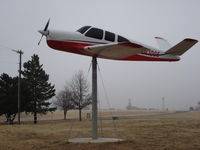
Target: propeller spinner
45, 31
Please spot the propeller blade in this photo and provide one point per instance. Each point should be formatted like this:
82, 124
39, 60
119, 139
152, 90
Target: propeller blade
43, 31
46, 27
40, 40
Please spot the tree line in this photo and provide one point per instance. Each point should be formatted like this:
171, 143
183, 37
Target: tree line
36, 92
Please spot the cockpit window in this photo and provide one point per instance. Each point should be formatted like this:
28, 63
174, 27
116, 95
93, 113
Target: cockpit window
95, 33
83, 29
122, 39
109, 36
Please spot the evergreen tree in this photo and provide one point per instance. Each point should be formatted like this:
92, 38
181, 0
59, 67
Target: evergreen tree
40, 89
8, 97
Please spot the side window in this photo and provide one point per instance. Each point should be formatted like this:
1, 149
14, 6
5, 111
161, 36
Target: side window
122, 39
109, 36
95, 33
83, 29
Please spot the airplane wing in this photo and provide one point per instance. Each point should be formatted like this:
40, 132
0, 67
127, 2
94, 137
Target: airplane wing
116, 50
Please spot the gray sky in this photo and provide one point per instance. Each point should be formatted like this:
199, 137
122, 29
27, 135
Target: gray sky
145, 83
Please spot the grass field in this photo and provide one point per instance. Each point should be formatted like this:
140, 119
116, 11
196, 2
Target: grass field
177, 131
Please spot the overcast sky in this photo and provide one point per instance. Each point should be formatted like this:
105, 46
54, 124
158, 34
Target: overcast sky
145, 83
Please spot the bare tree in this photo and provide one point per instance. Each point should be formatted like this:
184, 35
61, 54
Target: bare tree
64, 101
81, 94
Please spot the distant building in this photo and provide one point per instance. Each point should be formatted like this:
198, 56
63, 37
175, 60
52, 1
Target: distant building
197, 108
130, 107
191, 108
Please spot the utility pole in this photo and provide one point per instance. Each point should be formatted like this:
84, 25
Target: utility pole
163, 103
19, 83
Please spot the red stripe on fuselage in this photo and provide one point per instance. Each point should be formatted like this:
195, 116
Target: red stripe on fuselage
71, 47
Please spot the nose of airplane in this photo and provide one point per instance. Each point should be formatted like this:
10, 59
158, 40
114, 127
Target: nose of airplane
44, 32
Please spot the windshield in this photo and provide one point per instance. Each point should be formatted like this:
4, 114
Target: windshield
83, 29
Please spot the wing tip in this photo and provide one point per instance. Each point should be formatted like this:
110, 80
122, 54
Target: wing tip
191, 40
157, 37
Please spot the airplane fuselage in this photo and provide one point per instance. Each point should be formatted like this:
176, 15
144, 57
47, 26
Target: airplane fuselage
75, 42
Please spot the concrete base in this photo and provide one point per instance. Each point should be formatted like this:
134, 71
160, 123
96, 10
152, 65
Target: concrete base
90, 140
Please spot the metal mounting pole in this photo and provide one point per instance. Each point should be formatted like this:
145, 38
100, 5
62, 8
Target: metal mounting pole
95, 138
94, 98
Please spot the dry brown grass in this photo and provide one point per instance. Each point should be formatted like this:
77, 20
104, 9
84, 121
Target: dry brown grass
170, 132
73, 114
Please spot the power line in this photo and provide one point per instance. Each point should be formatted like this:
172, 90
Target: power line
7, 62
5, 47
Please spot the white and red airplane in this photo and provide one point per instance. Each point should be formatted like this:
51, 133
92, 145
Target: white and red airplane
95, 42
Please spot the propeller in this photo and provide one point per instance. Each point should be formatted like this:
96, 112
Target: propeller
44, 32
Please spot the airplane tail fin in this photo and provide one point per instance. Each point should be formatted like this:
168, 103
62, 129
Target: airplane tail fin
181, 47
162, 43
